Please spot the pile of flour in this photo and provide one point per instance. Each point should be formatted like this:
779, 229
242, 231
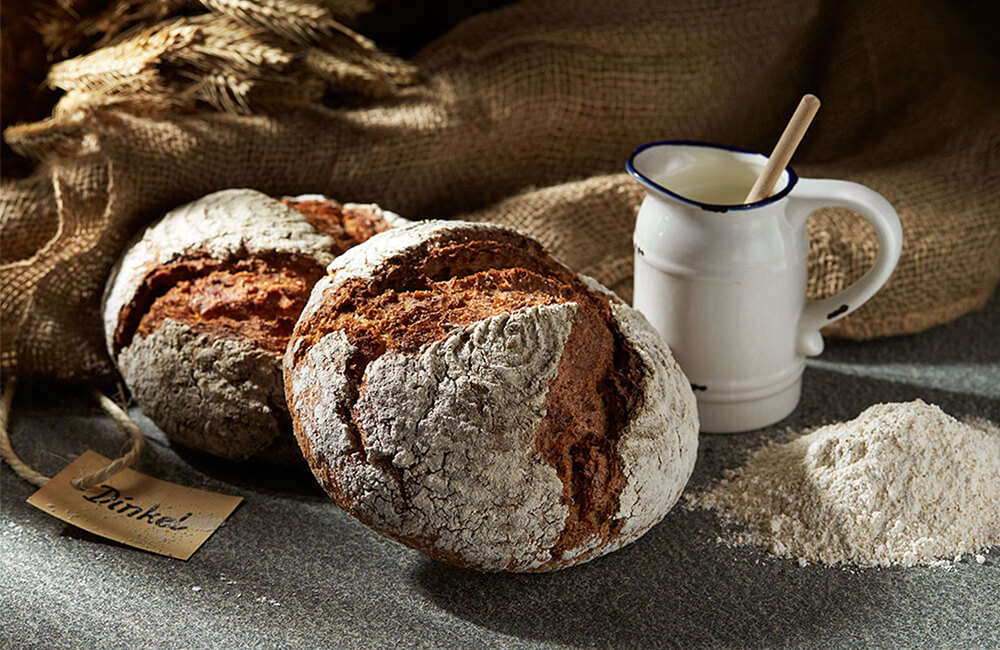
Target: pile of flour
903, 484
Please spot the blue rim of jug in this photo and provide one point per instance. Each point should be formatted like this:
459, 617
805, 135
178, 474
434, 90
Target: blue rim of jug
793, 178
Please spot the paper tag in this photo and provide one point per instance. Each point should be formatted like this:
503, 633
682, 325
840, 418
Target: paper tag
135, 509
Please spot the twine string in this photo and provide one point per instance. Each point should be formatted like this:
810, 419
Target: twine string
20, 468
115, 412
124, 423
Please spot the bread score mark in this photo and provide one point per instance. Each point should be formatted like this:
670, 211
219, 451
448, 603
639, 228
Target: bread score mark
586, 411
257, 298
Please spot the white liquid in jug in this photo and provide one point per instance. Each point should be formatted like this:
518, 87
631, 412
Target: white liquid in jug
725, 183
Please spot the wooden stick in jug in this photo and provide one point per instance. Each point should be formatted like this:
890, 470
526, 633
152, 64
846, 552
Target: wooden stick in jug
783, 151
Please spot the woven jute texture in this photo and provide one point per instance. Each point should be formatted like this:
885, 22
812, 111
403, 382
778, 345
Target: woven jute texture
525, 116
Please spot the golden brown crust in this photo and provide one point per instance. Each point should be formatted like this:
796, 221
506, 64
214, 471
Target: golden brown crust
257, 299
416, 296
349, 225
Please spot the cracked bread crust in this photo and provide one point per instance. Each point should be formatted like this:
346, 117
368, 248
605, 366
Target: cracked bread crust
199, 310
455, 388
209, 393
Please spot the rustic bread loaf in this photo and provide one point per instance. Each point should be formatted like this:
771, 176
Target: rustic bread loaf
198, 312
457, 389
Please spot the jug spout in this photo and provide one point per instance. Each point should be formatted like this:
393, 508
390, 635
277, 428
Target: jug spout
712, 177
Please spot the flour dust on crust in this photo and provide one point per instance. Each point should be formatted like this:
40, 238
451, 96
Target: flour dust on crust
461, 439
217, 395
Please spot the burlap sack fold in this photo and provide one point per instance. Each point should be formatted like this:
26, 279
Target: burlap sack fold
526, 116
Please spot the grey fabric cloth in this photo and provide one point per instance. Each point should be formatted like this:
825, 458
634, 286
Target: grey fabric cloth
289, 569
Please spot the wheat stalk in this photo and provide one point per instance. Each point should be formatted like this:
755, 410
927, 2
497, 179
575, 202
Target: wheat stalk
222, 41
116, 64
224, 91
392, 68
346, 75
241, 56
295, 20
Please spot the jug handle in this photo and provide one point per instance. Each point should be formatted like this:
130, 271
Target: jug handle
810, 195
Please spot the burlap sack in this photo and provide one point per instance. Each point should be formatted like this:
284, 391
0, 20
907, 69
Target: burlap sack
525, 116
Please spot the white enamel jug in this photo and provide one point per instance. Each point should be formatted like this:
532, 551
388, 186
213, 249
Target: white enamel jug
725, 283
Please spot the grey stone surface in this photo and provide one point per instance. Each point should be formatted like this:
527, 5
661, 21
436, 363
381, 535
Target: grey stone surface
290, 570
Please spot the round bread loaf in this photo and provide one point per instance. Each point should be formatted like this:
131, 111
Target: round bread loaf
198, 312
457, 389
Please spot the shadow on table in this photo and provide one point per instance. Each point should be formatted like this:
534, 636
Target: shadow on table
278, 470
280, 478
673, 588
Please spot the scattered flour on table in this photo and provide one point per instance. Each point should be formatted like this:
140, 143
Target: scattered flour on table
902, 484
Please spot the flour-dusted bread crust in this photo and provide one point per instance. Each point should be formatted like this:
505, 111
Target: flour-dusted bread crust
455, 388
217, 394
198, 311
